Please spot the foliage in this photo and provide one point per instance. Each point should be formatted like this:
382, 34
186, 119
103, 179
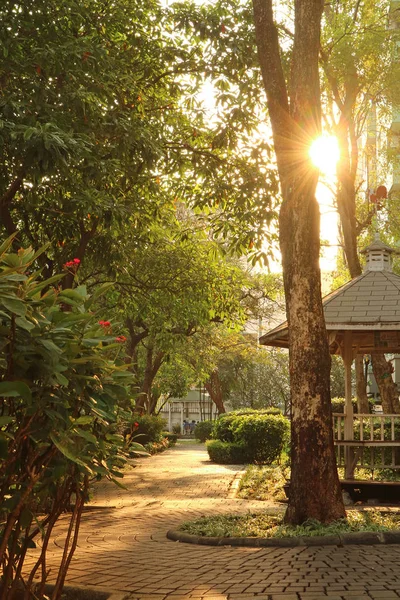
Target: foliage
270, 525
337, 376
171, 437
203, 430
338, 404
61, 380
223, 427
103, 134
257, 378
145, 428
176, 428
167, 440
226, 453
263, 435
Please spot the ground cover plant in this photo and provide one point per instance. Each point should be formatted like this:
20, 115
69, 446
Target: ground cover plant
61, 377
264, 483
271, 525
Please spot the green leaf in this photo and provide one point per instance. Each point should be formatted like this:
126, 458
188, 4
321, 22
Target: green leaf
7, 243
49, 345
118, 483
61, 379
24, 324
86, 435
14, 305
84, 420
99, 291
76, 295
68, 453
15, 389
6, 420
37, 287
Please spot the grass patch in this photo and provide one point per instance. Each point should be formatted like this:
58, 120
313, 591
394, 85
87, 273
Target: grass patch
264, 483
271, 525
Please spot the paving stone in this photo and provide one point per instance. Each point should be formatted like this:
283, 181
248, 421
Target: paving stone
123, 544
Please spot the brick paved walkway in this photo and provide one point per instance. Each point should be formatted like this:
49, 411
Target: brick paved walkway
123, 545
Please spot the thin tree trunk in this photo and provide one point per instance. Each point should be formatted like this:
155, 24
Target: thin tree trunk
153, 364
214, 388
382, 370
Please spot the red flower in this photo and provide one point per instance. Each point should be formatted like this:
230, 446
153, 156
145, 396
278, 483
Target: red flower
72, 264
121, 339
105, 324
136, 424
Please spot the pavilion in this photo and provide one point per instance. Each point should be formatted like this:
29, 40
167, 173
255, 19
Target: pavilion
361, 317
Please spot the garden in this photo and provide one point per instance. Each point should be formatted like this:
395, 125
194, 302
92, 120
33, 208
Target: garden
156, 165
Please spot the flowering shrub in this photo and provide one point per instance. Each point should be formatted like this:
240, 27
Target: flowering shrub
59, 393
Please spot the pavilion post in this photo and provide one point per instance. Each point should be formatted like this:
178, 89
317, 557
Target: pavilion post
348, 406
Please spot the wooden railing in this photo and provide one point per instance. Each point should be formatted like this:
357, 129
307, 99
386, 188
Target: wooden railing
376, 440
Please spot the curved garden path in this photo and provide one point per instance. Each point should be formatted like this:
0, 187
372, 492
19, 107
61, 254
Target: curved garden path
123, 544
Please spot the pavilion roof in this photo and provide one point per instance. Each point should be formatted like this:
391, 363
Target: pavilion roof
369, 304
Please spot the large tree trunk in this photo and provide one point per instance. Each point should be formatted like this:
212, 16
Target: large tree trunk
314, 490
383, 374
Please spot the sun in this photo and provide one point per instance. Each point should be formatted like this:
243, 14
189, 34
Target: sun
324, 153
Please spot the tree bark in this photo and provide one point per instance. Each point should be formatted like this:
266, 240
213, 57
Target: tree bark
347, 171
214, 388
382, 370
314, 489
153, 364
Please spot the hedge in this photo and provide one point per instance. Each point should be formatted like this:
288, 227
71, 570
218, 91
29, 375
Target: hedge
226, 453
260, 435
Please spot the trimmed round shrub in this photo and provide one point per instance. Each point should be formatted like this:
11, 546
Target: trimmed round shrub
226, 453
222, 429
203, 430
263, 435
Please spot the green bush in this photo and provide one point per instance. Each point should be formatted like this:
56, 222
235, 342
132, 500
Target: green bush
226, 453
203, 430
176, 428
338, 405
171, 437
222, 429
263, 435
145, 429
225, 424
